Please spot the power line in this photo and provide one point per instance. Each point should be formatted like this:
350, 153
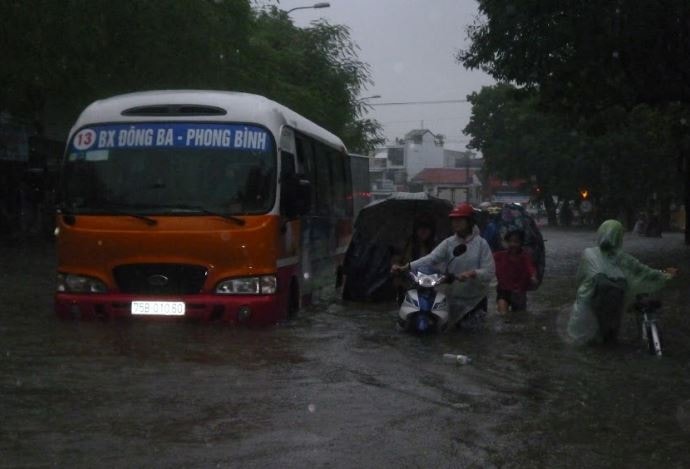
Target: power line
404, 103
441, 119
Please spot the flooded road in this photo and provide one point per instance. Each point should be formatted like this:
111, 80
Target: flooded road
340, 387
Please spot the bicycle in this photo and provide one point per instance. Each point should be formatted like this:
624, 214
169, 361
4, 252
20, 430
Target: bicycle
648, 314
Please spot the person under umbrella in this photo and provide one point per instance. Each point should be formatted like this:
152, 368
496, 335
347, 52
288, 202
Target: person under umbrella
419, 244
491, 231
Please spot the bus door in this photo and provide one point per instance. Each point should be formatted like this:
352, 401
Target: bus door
295, 200
330, 219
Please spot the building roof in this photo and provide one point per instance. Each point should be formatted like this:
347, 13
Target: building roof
443, 176
417, 133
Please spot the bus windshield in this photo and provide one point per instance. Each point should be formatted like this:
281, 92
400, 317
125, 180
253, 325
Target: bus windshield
160, 169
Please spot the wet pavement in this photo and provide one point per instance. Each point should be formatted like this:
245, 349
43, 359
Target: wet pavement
340, 387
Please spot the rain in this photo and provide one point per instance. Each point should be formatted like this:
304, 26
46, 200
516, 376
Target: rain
259, 233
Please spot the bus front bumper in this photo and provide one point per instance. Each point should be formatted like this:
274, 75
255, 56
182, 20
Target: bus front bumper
235, 309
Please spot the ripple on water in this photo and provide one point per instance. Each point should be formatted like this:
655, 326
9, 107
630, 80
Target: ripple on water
683, 416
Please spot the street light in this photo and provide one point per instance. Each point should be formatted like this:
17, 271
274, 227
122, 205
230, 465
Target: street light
376, 96
314, 6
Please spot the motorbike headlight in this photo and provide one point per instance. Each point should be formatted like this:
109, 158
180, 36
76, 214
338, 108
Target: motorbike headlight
264, 285
72, 283
427, 282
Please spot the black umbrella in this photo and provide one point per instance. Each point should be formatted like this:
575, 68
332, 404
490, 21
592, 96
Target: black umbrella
390, 221
382, 228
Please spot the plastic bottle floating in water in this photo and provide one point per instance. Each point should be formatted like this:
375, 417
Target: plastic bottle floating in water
459, 359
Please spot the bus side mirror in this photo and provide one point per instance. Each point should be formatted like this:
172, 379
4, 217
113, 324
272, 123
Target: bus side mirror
303, 195
296, 196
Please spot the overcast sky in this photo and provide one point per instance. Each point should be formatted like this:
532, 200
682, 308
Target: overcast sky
410, 45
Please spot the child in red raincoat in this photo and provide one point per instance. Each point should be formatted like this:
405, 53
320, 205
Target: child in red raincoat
515, 272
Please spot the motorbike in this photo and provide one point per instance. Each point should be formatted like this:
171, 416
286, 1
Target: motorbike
425, 309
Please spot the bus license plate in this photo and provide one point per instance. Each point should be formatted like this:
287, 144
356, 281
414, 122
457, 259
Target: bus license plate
157, 308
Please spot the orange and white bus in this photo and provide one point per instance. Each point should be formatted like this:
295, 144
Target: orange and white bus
199, 204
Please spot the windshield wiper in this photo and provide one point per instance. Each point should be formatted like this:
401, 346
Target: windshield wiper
148, 220
113, 208
118, 210
206, 211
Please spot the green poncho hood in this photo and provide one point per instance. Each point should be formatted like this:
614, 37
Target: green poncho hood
610, 236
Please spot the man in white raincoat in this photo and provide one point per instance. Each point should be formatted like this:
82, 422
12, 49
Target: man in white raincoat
473, 268
605, 270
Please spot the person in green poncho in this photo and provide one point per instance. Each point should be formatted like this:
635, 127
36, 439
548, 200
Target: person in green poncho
608, 281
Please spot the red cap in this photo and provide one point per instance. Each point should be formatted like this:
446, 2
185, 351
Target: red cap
463, 210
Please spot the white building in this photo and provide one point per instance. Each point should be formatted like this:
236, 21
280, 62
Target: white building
422, 149
385, 168
394, 165
398, 167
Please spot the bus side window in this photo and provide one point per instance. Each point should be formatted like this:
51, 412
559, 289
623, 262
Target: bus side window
305, 165
324, 183
288, 204
304, 155
359, 169
287, 164
349, 191
339, 182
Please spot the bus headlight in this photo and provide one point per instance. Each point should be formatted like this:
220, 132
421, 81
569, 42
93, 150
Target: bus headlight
71, 283
264, 285
269, 284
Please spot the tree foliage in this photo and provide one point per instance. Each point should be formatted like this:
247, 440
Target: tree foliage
79, 50
519, 141
315, 71
611, 77
586, 55
623, 157
66, 54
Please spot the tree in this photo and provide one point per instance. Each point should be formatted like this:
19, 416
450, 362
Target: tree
621, 157
587, 55
591, 59
63, 55
70, 53
315, 71
517, 140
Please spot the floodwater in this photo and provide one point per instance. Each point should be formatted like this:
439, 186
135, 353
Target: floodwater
340, 387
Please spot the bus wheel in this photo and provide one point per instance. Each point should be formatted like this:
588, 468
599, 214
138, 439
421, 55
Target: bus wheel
293, 302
